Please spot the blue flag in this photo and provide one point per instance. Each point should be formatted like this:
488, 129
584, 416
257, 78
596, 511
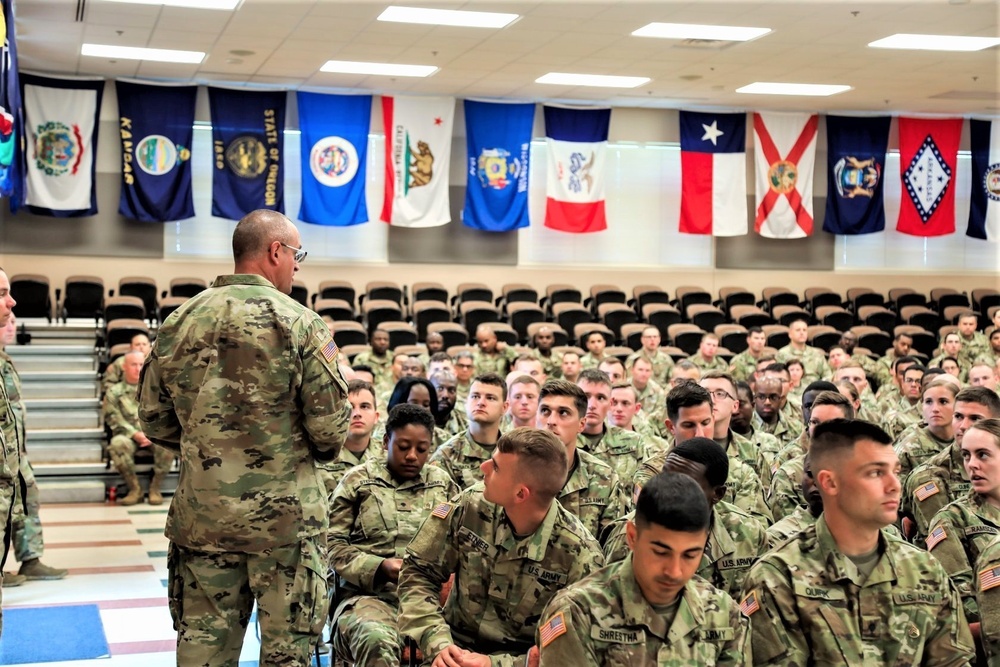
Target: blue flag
984, 204
498, 138
156, 124
11, 115
334, 151
856, 149
247, 140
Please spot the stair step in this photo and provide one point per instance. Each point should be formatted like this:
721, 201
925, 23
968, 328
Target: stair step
46, 453
59, 384
19, 351
71, 491
71, 469
68, 413
59, 435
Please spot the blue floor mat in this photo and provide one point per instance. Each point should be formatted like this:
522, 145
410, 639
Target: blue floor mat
52, 634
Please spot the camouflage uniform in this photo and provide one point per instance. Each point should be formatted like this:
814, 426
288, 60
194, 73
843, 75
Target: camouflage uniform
958, 534
654, 403
623, 450
814, 365
785, 429
461, 396
502, 582
987, 585
381, 366
590, 361
786, 489
931, 486
10, 496
461, 457
917, 448
26, 526
661, 362
742, 366
735, 541
331, 472
809, 605
901, 416
373, 517
887, 398
743, 487
973, 348
113, 374
458, 421
499, 362
605, 620
243, 382
551, 365
594, 494
717, 363
799, 520
869, 407
121, 416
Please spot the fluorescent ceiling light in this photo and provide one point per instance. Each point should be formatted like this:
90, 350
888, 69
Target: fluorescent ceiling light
452, 17
137, 53
935, 42
599, 80
228, 5
696, 31
381, 69
814, 89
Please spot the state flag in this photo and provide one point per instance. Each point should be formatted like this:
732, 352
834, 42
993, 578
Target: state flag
785, 158
11, 115
855, 177
713, 173
984, 205
247, 139
577, 141
156, 127
928, 155
417, 154
498, 142
61, 124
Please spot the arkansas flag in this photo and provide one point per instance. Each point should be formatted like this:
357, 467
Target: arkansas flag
577, 142
785, 152
928, 153
417, 154
984, 205
713, 173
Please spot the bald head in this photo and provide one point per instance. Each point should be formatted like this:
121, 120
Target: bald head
256, 232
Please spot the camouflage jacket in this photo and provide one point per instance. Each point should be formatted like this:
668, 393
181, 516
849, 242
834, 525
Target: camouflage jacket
932, 485
623, 450
381, 366
461, 457
917, 448
121, 409
661, 362
743, 365
717, 363
499, 362
594, 494
551, 365
814, 366
113, 374
12, 385
786, 488
331, 472
987, 586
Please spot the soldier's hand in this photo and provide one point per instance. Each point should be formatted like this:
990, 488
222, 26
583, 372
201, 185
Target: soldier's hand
390, 568
141, 439
451, 656
534, 658
471, 659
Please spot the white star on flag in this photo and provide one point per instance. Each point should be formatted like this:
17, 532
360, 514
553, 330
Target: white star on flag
712, 132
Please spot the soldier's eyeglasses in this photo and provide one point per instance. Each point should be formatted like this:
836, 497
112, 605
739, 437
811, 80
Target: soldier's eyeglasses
300, 254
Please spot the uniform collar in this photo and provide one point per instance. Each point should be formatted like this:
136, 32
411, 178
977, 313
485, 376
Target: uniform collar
242, 279
840, 568
472, 449
533, 546
720, 542
636, 610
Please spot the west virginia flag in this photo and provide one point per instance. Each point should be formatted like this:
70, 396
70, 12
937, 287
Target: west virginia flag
785, 151
928, 155
577, 148
855, 176
984, 208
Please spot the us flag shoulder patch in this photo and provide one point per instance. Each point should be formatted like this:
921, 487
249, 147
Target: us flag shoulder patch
989, 578
937, 535
749, 604
926, 491
442, 511
330, 350
553, 628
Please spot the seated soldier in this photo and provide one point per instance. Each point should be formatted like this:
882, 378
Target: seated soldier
622, 450
627, 411
613, 368
595, 343
121, 415
649, 608
813, 359
375, 511
522, 400
378, 358
987, 587
358, 446
113, 373
744, 365
542, 342
529, 364
493, 356
705, 358
511, 547
659, 361
462, 455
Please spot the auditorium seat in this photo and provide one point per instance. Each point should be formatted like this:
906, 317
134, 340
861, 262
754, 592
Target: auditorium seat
168, 305
122, 330
414, 350
352, 350
661, 316
382, 290
643, 295
400, 333
951, 313
675, 353
376, 311
901, 297
817, 297
750, 315
735, 296
84, 297
631, 334
943, 297
144, 288
116, 351
471, 292
877, 341
453, 333
688, 295
604, 293
300, 292
558, 333
187, 286
31, 291
428, 291
516, 293
924, 341
348, 332
337, 289
778, 296
985, 298
921, 317
560, 293
786, 314
777, 335
620, 352
823, 336
426, 312
522, 314
584, 329
614, 315
474, 313
732, 336
568, 314
877, 316
835, 316
686, 336
863, 296
336, 309
705, 316
123, 308
504, 332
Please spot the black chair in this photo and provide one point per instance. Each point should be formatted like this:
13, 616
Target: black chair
335, 309
124, 308
84, 297
144, 288
118, 332
300, 292
522, 315
31, 292
426, 312
168, 305
187, 287
336, 289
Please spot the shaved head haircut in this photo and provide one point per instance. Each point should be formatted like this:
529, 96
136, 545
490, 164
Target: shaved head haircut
256, 231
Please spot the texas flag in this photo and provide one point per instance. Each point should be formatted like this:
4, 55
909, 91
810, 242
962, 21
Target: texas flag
785, 152
928, 155
577, 146
984, 207
713, 173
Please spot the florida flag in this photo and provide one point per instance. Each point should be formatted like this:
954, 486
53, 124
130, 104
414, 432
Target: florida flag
713, 173
928, 156
785, 152
984, 205
577, 141
417, 153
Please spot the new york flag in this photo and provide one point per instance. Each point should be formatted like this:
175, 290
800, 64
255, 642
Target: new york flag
713, 173
577, 141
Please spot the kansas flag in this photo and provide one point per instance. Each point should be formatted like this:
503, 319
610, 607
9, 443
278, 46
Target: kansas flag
334, 151
713, 173
984, 208
498, 138
156, 126
577, 150
928, 155
856, 149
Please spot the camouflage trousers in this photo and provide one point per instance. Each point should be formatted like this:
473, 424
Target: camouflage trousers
26, 526
364, 632
122, 451
212, 595
7, 497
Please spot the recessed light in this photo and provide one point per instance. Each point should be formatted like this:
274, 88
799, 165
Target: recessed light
696, 31
934, 42
192, 4
138, 53
812, 89
449, 17
380, 69
598, 80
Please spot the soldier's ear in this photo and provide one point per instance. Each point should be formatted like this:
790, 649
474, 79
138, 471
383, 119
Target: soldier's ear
631, 534
385, 441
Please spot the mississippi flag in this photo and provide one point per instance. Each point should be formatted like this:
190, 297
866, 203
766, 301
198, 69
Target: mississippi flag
417, 153
984, 207
928, 154
577, 145
785, 152
713, 173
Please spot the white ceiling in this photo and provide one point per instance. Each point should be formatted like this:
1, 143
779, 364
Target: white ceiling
811, 42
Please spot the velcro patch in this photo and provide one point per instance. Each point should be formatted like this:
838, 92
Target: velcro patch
617, 635
330, 350
555, 627
926, 491
937, 535
989, 578
443, 510
750, 605
716, 634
